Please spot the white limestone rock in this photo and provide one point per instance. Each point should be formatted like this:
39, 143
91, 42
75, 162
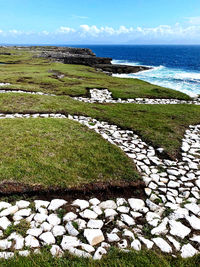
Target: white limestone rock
87, 247
123, 209
70, 216
136, 204
99, 253
94, 236
121, 201
178, 229
9, 211
136, 245
47, 238
53, 219
23, 212
19, 240
41, 203
46, 227
149, 244
56, 204
88, 214
128, 233
4, 205
174, 242
110, 213
56, 251
5, 244
58, 230
95, 224
82, 204
113, 238
161, 229
108, 204
79, 253
4, 223
196, 238
162, 244
71, 229
22, 204
69, 241
40, 218
127, 219
194, 208
123, 244
188, 251
31, 241
194, 222
97, 210
35, 231
24, 253
94, 201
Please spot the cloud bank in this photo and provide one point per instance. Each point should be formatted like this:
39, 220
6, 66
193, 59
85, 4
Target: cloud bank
105, 34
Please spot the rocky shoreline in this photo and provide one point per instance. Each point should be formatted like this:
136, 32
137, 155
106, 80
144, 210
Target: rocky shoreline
84, 56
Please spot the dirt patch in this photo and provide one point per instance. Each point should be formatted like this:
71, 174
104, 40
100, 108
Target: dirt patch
100, 190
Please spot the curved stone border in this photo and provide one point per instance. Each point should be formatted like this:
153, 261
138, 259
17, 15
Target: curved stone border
4, 84
170, 214
24, 92
104, 96
162, 221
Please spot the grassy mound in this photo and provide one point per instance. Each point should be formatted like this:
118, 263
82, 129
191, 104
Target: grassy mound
55, 152
160, 125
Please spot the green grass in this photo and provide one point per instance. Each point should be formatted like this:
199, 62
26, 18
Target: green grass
115, 258
55, 152
159, 125
38, 74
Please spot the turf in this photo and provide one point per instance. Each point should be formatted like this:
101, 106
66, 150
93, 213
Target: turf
37, 74
159, 125
115, 258
55, 152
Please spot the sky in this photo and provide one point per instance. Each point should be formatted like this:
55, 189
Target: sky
100, 22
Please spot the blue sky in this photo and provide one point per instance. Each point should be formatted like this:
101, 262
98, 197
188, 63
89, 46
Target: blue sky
100, 21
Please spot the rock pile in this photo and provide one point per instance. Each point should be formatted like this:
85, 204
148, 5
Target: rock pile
89, 227
104, 96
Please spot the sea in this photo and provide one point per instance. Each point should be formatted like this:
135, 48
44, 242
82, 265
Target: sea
173, 66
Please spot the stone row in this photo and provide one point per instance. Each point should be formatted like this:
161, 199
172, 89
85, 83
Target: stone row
105, 96
167, 219
88, 228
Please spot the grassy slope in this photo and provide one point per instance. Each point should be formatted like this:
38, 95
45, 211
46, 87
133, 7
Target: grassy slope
114, 259
37, 74
42, 159
161, 125
55, 152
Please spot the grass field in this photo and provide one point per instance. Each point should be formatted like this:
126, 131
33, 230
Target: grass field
159, 125
115, 258
55, 152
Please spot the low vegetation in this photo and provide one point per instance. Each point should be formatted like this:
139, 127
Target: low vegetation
55, 152
114, 258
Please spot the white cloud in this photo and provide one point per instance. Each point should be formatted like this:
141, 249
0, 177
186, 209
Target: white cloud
63, 29
194, 20
45, 32
105, 34
16, 32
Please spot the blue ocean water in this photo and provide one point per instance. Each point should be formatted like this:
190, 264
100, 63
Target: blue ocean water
173, 66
